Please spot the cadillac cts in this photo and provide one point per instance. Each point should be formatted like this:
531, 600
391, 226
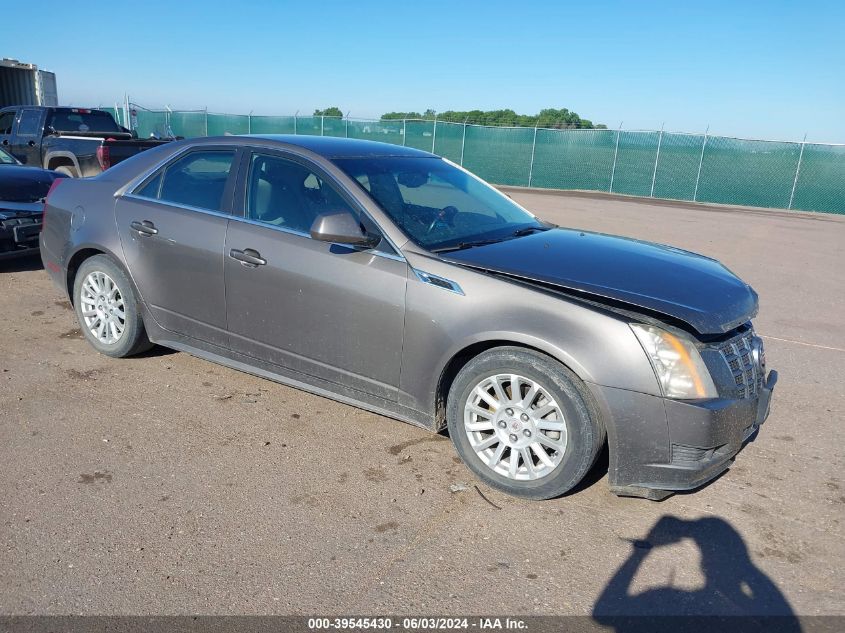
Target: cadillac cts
391, 279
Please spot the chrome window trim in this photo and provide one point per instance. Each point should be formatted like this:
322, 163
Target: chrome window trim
428, 278
128, 191
178, 205
130, 187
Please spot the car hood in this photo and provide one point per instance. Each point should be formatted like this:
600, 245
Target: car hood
10, 210
19, 183
692, 288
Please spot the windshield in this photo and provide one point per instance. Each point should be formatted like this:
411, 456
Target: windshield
6, 158
81, 120
436, 204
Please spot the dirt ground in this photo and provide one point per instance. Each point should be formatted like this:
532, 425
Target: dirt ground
165, 484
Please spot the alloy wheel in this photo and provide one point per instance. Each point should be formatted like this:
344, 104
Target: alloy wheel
515, 426
102, 308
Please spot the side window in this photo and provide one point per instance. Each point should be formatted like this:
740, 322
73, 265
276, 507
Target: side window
152, 188
284, 193
7, 120
364, 181
29, 123
198, 179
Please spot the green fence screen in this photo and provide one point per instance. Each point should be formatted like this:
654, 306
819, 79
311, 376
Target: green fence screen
678, 166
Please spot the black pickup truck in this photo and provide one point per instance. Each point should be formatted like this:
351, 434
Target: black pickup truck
77, 142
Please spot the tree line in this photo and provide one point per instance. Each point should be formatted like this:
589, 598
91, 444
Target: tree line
547, 118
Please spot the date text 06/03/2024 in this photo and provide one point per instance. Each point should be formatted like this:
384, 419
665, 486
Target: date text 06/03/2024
417, 624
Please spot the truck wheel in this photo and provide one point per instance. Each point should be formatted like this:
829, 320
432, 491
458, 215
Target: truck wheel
523, 423
70, 172
107, 309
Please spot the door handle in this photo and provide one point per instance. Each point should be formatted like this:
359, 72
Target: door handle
31, 143
249, 257
145, 228
5, 141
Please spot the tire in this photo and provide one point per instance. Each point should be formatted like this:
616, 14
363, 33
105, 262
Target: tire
70, 172
117, 337
561, 409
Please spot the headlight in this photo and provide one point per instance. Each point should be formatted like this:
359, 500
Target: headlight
680, 370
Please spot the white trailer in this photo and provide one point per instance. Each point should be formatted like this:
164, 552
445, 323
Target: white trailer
25, 84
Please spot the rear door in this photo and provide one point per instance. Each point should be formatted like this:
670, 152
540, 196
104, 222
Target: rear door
172, 228
7, 126
26, 141
325, 310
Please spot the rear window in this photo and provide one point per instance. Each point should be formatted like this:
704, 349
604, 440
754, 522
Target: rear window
85, 121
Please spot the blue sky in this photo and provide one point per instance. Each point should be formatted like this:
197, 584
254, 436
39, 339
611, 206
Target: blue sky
759, 69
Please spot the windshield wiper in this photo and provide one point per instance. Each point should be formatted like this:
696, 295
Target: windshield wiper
462, 245
518, 233
528, 230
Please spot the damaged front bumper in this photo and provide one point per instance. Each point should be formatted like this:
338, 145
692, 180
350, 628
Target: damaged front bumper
659, 446
19, 236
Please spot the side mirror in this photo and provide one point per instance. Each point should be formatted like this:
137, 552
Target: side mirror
340, 227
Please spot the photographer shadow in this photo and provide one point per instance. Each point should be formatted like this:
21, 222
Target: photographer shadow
736, 595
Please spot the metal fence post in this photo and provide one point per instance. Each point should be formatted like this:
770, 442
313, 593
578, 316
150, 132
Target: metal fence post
656, 158
322, 124
434, 134
464, 141
615, 153
533, 148
404, 132
797, 171
249, 123
294, 122
346, 127
700, 163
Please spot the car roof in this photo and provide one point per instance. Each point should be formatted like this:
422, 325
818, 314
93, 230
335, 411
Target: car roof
334, 147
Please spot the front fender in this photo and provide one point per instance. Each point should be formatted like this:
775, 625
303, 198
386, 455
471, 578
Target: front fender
598, 346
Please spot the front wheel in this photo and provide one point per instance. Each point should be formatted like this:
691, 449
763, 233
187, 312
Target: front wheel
523, 422
107, 309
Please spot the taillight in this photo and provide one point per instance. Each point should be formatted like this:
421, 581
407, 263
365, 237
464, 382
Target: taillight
47, 200
103, 157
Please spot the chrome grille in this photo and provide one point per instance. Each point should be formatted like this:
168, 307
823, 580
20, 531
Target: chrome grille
748, 369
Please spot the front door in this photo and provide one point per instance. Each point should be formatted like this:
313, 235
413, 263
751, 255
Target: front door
324, 310
172, 229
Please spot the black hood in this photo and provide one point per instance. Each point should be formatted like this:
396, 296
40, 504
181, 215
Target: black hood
19, 183
692, 288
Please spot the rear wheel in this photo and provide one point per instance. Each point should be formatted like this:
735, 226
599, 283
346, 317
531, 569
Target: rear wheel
523, 423
70, 172
107, 309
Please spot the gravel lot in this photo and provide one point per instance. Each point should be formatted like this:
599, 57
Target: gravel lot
166, 485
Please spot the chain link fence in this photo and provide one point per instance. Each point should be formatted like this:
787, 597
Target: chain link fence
677, 166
